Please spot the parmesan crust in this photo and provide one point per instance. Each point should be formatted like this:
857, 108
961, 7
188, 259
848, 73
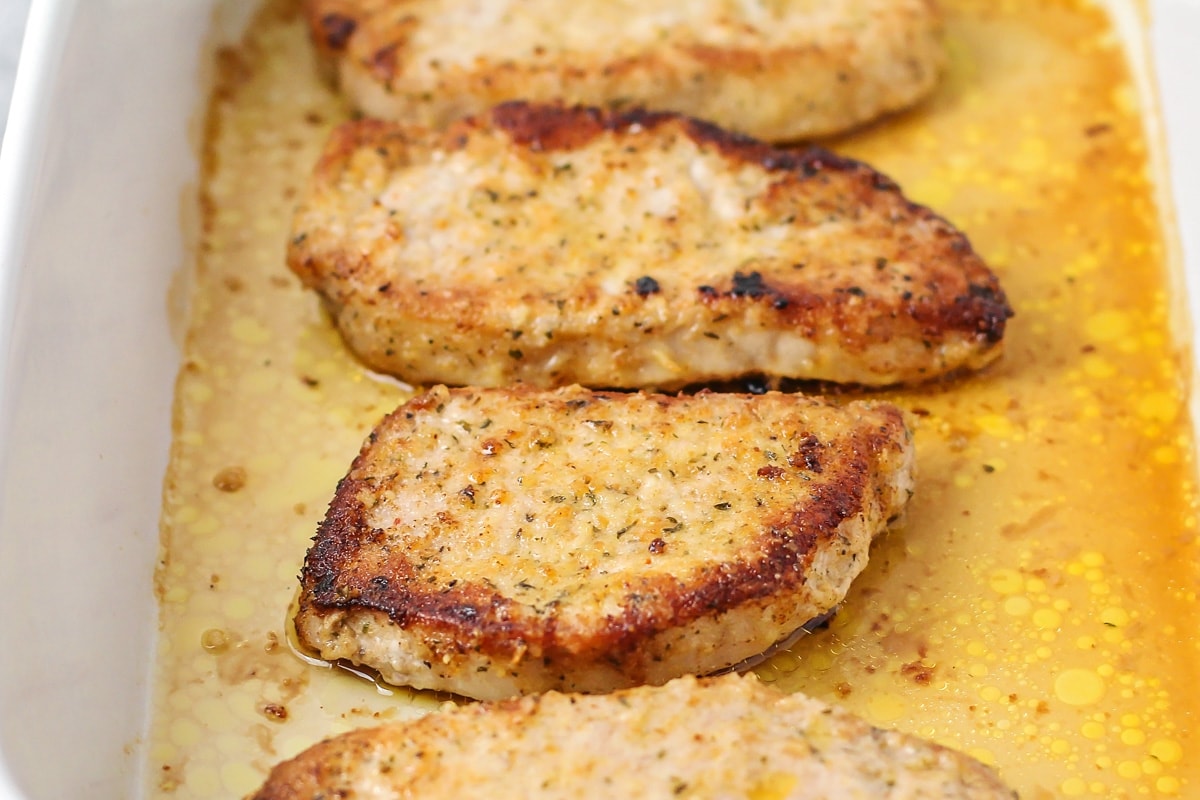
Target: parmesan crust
500, 542
553, 246
715, 738
775, 69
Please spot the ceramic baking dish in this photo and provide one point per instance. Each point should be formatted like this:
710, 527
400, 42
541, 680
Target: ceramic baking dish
96, 179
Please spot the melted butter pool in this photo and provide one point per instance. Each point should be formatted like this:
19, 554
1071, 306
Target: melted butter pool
1037, 608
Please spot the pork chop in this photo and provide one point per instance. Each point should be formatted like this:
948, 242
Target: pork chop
554, 246
716, 738
496, 542
775, 69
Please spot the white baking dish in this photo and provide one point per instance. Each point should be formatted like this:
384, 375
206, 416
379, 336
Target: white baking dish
98, 158
98, 161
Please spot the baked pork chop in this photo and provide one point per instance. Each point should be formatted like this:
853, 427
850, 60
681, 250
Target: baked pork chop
496, 542
776, 69
719, 737
553, 246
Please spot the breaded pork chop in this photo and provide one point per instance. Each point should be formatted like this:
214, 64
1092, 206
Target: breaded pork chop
729, 737
495, 542
554, 246
776, 69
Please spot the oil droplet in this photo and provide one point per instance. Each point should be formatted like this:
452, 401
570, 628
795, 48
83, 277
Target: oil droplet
886, 707
1018, 606
186, 514
204, 780
185, 733
819, 661
1097, 367
214, 640
163, 752
1107, 326
238, 608
785, 662
1132, 737
1158, 407
995, 425
1079, 687
1092, 730
239, 779
1167, 784
1074, 787
1166, 751
1129, 770
1166, 454
1006, 581
1047, 618
230, 479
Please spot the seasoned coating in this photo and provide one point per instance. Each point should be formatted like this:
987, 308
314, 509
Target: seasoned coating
554, 246
776, 69
720, 737
495, 542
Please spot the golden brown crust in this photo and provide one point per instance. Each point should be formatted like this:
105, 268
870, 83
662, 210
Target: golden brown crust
780, 71
632, 249
724, 737
603, 559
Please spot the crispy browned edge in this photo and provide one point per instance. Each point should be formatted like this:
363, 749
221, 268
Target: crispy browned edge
334, 578
331, 24
983, 310
964, 297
